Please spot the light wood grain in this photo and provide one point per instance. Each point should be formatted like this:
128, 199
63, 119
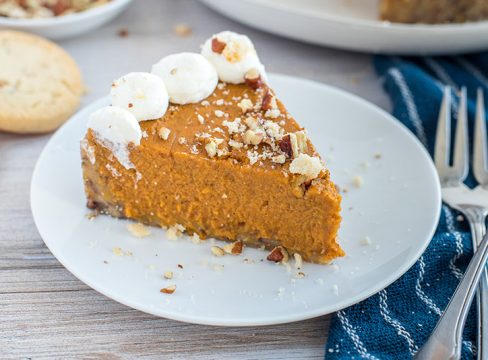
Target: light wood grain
45, 312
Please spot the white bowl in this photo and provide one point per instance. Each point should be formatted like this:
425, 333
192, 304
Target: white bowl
67, 25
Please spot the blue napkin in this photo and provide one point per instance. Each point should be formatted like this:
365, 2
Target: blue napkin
397, 321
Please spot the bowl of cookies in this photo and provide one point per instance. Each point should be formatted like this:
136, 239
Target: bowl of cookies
58, 19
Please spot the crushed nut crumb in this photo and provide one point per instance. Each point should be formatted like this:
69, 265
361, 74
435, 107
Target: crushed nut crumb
234, 248
298, 260
168, 289
358, 181
138, 230
182, 30
245, 105
168, 275
217, 251
278, 255
175, 231
164, 133
211, 148
306, 165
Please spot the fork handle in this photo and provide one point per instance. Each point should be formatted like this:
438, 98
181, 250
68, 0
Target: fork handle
446, 340
476, 218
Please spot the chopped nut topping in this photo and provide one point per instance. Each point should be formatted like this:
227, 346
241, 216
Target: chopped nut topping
285, 145
298, 260
182, 30
164, 133
252, 137
211, 149
294, 145
168, 275
306, 165
219, 113
168, 289
357, 181
278, 255
251, 123
245, 105
272, 113
139, 230
217, 251
181, 140
366, 241
253, 79
302, 142
269, 101
235, 248
279, 159
273, 129
218, 46
205, 103
235, 144
175, 231
201, 119
123, 33
119, 252
219, 102
234, 126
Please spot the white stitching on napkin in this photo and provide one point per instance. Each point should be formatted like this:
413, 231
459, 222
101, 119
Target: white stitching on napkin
472, 69
459, 243
440, 72
358, 344
420, 293
385, 313
413, 113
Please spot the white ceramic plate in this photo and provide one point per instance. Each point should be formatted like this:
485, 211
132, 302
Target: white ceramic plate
397, 208
353, 25
69, 25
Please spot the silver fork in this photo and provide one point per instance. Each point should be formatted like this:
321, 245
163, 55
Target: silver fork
446, 340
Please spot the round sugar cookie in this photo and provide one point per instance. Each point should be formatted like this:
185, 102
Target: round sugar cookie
40, 84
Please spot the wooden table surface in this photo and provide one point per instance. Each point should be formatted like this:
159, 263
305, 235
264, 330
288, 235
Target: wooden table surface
45, 312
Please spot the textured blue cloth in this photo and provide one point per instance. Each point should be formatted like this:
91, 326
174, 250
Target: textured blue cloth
396, 322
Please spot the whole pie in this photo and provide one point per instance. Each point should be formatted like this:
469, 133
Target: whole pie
202, 145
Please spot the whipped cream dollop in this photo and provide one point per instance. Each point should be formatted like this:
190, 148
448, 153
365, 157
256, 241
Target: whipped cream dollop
232, 55
189, 77
144, 95
116, 128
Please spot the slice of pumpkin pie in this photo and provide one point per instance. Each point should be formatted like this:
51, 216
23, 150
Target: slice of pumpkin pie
202, 145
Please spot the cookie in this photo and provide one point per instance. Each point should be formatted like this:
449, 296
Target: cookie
40, 84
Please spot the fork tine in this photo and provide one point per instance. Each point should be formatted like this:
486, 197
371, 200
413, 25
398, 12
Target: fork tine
480, 152
443, 133
461, 150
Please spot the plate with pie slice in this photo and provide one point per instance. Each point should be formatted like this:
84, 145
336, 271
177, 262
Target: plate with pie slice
390, 208
415, 27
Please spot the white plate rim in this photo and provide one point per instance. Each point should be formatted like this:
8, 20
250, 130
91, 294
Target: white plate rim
283, 319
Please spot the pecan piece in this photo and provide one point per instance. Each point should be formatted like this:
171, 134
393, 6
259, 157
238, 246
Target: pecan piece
168, 290
253, 79
235, 248
285, 145
218, 46
59, 7
278, 255
267, 101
